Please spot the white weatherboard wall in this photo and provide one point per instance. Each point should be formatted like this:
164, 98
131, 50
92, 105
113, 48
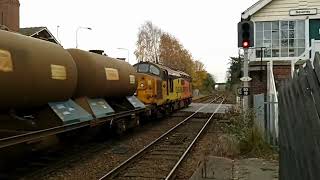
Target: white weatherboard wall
279, 10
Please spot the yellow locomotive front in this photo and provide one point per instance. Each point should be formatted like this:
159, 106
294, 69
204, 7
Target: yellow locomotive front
161, 86
151, 87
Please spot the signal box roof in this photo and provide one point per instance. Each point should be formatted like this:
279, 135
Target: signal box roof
255, 8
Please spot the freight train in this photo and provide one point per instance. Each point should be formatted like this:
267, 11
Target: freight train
48, 90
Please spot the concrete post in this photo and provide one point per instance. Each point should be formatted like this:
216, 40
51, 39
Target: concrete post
246, 74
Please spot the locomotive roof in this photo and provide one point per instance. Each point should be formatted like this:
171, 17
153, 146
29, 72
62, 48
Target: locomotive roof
183, 73
171, 72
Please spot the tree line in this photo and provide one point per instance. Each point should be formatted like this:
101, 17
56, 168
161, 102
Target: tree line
157, 46
234, 73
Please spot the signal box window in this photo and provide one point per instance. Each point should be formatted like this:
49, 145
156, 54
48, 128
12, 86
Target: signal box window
281, 38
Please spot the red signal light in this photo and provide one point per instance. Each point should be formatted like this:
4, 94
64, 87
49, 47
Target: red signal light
245, 44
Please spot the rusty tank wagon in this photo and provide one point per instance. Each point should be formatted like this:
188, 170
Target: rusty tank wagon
34, 72
44, 85
102, 76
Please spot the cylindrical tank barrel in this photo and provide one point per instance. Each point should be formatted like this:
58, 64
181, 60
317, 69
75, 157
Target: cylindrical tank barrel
34, 72
102, 76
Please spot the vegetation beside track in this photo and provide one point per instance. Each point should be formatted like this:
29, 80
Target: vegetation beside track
249, 138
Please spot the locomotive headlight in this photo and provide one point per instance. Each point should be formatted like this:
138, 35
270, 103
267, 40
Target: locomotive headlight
142, 85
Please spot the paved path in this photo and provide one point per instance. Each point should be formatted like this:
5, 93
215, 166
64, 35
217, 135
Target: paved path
219, 168
251, 169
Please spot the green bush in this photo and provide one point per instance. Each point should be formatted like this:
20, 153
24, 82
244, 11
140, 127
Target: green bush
251, 141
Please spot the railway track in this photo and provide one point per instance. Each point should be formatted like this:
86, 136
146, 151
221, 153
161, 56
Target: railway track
161, 158
204, 99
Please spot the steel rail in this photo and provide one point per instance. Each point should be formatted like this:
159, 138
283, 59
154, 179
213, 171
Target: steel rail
192, 143
36, 135
122, 165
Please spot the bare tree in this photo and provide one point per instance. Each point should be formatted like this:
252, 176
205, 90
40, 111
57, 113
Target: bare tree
199, 66
174, 55
148, 43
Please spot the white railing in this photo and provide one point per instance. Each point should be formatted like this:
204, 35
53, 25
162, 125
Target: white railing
272, 131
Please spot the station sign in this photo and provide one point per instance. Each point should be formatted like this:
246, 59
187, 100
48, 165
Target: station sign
244, 91
300, 12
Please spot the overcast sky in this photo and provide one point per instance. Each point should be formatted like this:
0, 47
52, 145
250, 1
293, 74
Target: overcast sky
207, 28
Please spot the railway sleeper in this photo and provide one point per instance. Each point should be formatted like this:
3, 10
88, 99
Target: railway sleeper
170, 146
169, 149
151, 164
161, 158
150, 168
167, 153
147, 172
143, 175
154, 167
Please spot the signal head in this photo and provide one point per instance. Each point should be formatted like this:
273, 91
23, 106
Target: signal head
245, 34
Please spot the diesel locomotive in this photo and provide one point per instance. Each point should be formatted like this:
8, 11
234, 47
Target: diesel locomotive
48, 90
162, 88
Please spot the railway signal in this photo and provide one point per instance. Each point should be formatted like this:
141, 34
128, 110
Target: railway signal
245, 40
245, 34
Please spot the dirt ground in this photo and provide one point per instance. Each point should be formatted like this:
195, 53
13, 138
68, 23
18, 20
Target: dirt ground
217, 156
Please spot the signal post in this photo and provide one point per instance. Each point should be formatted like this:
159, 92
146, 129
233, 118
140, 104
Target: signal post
246, 81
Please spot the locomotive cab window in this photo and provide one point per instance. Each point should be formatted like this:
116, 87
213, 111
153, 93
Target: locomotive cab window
143, 68
154, 70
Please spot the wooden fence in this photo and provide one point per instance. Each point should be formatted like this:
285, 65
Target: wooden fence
299, 124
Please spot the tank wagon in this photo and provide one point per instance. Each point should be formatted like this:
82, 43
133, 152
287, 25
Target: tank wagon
44, 86
102, 76
33, 73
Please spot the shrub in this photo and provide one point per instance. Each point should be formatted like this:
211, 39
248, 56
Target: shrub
251, 140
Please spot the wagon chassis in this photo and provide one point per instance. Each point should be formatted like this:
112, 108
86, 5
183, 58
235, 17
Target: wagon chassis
37, 135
